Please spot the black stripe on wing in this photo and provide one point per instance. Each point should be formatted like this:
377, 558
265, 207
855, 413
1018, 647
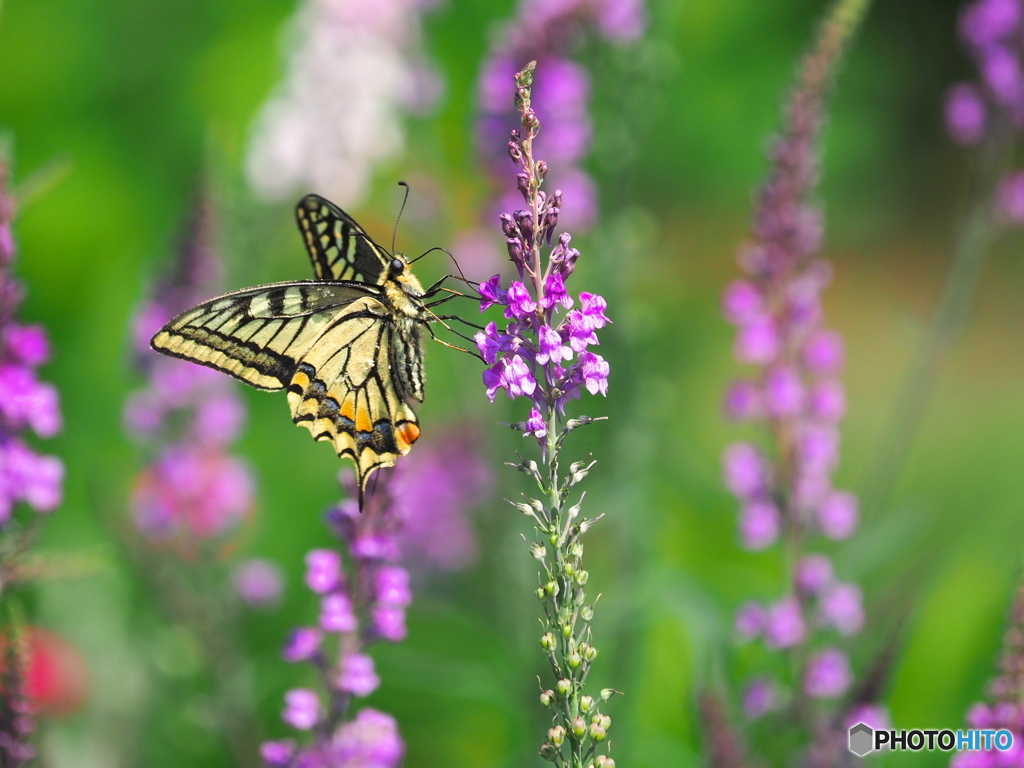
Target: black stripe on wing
337, 245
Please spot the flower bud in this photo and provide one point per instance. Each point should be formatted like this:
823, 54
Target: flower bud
556, 735
575, 660
576, 550
548, 751
539, 551
542, 169
578, 726
564, 687
597, 733
586, 703
542, 593
607, 693
523, 185
514, 151
567, 630
551, 587
582, 577
569, 569
605, 722
603, 761
587, 613
589, 652
548, 642
547, 698
553, 538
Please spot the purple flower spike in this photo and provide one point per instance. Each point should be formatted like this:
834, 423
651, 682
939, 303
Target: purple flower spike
277, 754
513, 375
813, 574
838, 515
744, 471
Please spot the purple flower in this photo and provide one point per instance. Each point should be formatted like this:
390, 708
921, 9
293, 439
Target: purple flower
536, 425
592, 308
513, 375
358, 675
492, 293
1010, 198
26, 344
744, 470
783, 391
987, 21
759, 698
827, 675
323, 570
258, 582
784, 625
577, 331
757, 341
742, 302
551, 347
389, 622
336, 614
520, 303
301, 708
391, 585
813, 574
303, 644
371, 740
593, 373
744, 401
277, 754
838, 515
966, 114
842, 607
824, 352
1000, 69
827, 401
555, 293
491, 342
437, 487
750, 620
759, 525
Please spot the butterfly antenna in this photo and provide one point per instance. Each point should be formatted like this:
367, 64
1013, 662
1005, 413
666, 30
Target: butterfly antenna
462, 275
394, 233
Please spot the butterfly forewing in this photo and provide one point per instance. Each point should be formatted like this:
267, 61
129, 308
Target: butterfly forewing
338, 247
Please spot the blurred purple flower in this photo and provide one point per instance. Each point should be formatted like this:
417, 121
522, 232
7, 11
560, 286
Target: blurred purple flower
187, 414
813, 574
784, 625
828, 674
966, 115
258, 582
302, 708
842, 607
26, 403
1010, 198
750, 620
358, 675
759, 698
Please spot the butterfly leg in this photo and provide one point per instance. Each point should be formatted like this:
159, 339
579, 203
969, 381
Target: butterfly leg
453, 346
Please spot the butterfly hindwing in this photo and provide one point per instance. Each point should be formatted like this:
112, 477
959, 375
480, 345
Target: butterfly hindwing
343, 391
337, 245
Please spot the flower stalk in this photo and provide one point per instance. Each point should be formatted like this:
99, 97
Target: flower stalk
527, 361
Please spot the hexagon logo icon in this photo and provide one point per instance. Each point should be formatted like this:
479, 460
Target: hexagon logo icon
862, 739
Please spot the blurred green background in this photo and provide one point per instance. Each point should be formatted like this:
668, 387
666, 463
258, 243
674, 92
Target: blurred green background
132, 101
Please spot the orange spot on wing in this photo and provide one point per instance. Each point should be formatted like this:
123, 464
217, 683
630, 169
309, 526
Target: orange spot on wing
348, 408
363, 422
408, 433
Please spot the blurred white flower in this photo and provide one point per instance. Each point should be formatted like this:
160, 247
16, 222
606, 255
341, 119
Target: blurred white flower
353, 68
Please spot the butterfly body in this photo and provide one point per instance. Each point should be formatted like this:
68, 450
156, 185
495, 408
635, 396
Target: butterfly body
346, 346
